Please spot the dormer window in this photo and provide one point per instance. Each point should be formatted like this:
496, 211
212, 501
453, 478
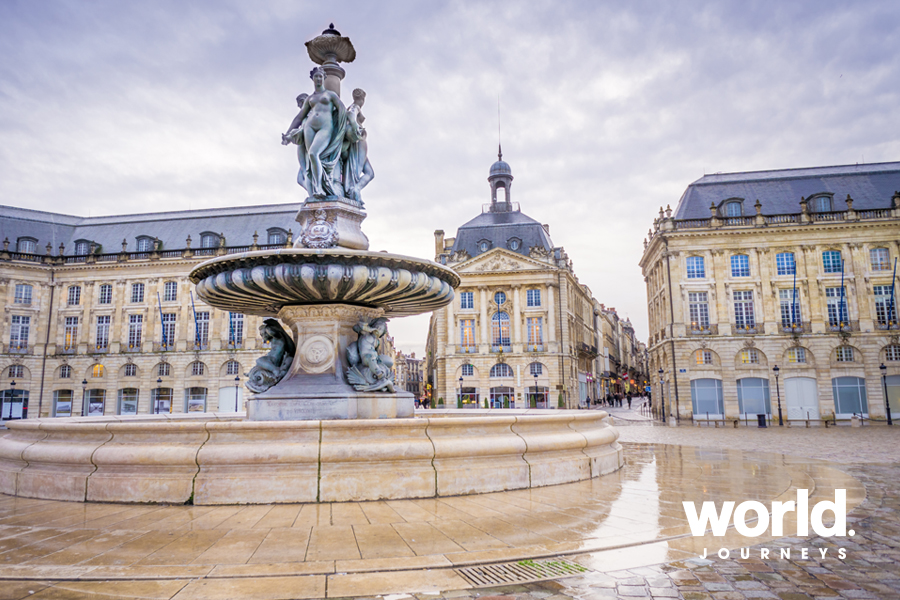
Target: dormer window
26, 245
732, 208
82, 247
277, 236
484, 245
209, 240
144, 243
821, 204
514, 244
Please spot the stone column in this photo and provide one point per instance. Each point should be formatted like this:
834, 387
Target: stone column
517, 317
551, 318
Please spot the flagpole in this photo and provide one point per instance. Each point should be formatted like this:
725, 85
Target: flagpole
841, 316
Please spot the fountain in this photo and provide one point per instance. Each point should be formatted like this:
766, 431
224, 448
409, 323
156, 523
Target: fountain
325, 422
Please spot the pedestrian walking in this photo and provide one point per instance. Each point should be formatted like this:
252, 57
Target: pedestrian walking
628, 397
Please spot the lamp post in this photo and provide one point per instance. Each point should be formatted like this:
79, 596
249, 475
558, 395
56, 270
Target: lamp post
158, 387
84, 407
535, 391
887, 404
778, 392
237, 382
12, 396
459, 398
662, 395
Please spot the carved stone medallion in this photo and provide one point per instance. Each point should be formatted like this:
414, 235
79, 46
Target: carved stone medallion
320, 233
317, 354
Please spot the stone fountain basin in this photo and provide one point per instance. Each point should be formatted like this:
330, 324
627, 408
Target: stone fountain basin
224, 459
262, 282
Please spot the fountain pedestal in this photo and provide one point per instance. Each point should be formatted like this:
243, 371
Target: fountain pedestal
315, 388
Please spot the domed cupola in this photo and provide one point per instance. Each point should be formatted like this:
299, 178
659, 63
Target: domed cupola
500, 179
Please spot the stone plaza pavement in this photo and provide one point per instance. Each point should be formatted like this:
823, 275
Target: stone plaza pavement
624, 535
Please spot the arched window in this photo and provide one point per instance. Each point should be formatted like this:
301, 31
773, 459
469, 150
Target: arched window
130, 370
892, 353
209, 240
732, 208
821, 204
82, 247
97, 370
65, 372
232, 367
276, 235
514, 244
197, 368
501, 370
536, 369
499, 298
500, 330
468, 371
163, 370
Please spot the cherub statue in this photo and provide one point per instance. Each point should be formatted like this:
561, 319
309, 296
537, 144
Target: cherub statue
272, 367
370, 371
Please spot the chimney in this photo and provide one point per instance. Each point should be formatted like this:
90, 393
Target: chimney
546, 228
438, 242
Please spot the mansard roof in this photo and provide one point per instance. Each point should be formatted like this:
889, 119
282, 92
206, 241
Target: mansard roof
237, 223
870, 186
498, 228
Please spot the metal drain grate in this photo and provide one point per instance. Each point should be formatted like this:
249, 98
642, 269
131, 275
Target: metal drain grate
522, 571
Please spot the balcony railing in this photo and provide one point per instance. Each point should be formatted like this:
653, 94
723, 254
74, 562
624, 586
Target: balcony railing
161, 347
198, 347
587, 350
467, 349
132, 347
845, 327
887, 326
712, 329
18, 348
501, 348
749, 329
101, 347
795, 327
534, 348
67, 350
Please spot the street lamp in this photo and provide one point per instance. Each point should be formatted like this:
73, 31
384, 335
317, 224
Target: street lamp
12, 395
158, 386
84, 408
887, 404
237, 382
662, 395
778, 392
535, 390
459, 398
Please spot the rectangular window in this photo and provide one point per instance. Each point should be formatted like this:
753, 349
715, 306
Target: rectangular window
103, 331
201, 333
844, 354
62, 403
883, 305
235, 329
836, 299
892, 353
168, 329
161, 400
170, 291
467, 299
790, 307
71, 333
468, 371
744, 317
74, 295
130, 370
163, 370
880, 259
135, 330
276, 237
16, 371
467, 333
535, 326
698, 306
533, 297
128, 401
704, 357
695, 268
831, 261
197, 368
195, 400
750, 356
137, 292
784, 263
740, 265
23, 293
796, 355
105, 294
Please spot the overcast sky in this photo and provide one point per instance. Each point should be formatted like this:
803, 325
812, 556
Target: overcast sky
608, 109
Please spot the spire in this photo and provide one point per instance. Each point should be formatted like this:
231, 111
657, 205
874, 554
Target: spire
499, 152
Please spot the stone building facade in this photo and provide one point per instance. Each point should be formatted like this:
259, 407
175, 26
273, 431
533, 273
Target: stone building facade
522, 330
791, 268
99, 316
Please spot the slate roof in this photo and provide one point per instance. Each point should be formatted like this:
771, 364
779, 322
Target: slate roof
870, 185
499, 228
237, 224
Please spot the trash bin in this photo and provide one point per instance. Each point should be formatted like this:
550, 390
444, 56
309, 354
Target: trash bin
761, 420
